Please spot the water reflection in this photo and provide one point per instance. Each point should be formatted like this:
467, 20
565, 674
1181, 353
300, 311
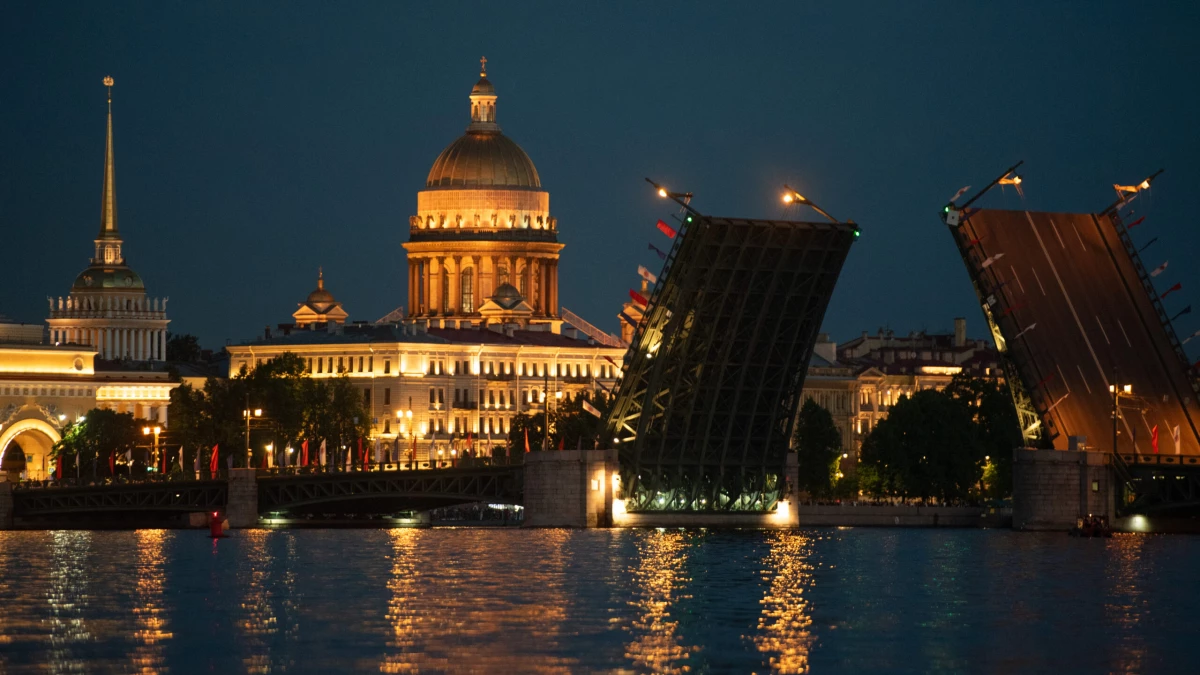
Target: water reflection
257, 622
67, 597
1125, 604
785, 627
150, 617
454, 607
402, 613
659, 579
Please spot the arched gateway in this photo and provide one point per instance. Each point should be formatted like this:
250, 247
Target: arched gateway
25, 447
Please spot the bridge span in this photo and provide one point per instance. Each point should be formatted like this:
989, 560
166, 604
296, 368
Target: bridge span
245, 496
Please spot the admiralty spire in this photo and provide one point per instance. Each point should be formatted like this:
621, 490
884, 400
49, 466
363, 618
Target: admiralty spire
107, 307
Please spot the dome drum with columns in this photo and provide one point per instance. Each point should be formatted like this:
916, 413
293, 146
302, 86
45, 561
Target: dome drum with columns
483, 222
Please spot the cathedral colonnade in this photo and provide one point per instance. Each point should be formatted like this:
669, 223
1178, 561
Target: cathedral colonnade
446, 285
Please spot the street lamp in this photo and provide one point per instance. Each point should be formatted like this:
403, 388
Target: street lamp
248, 413
156, 430
1118, 390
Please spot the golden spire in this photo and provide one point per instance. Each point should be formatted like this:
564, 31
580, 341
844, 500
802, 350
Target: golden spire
108, 198
320, 279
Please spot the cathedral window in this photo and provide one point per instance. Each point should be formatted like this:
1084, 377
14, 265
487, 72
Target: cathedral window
468, 290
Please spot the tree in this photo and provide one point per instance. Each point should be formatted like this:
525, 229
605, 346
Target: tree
571, 426
101, 434
997, 428
818, 446
183, 348
926, 447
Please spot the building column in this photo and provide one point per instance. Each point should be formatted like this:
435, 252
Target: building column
411, 290
554, 287
108, 343
162, 344
456, 285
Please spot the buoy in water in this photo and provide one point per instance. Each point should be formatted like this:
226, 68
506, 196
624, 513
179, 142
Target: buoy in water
215, 526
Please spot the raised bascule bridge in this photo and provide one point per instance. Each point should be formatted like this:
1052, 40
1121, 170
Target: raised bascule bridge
1094, 366
703, 417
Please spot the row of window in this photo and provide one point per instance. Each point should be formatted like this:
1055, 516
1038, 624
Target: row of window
45, 391
366, 364
487, 426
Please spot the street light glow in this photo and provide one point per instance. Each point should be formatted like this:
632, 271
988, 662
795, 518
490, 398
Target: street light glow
662, 192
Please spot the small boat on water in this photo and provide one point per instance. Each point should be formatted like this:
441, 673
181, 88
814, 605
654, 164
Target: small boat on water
1091, 526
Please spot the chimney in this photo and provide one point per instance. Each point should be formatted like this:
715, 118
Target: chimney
960, 332
266, 332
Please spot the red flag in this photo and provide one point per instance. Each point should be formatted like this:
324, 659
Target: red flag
58, 468
560, 443
1012, 309
112, 463
1176, 287
360, 450
264, 460
1154, 438
213, 465
972, 242
666, 229
470, 440
1135, 223
638, 298
526, 440
304, 453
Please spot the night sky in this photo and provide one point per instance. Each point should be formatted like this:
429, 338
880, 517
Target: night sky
258, 141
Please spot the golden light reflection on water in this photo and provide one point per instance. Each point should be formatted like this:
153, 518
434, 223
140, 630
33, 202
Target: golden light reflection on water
150, 631
68, 599
460, 616
659, 581
785, 628
1125, 600
257, 622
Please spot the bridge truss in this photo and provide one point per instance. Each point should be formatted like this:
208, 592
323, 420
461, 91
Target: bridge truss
183, 496
705, 410
432, 487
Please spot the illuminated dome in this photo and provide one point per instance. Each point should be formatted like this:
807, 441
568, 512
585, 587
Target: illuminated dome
320, 299
483, 159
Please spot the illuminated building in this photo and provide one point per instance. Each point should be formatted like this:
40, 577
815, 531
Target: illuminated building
483, 225
107, 321
107, 307
483, 337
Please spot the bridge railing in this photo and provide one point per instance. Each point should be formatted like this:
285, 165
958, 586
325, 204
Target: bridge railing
182, 477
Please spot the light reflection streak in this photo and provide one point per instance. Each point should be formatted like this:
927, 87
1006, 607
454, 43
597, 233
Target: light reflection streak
659, 579
1125, 601
785, 627
148, 611
257, 623
68, 599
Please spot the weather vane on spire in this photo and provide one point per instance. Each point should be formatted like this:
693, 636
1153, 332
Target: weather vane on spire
483, 66
108, 82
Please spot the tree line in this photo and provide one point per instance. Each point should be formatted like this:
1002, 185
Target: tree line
951, 445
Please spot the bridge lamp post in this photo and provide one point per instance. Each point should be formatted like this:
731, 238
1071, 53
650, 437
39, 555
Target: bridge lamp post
1118, 390
156, 430
248, 413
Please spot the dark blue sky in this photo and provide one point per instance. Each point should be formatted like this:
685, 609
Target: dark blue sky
257, 141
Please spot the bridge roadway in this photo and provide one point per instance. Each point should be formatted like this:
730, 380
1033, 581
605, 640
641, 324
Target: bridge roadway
1071, 275
380, 491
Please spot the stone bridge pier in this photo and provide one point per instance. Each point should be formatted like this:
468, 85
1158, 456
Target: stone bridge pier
569, 488
1053, 488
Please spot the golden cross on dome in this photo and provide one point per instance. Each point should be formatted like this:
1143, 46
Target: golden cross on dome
483, 66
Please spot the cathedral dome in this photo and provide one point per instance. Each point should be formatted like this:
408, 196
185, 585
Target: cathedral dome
483, 160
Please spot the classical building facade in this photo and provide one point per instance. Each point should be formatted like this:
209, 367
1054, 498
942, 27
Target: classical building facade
859, 381
483, 222
483, 338
44, 388
107, 307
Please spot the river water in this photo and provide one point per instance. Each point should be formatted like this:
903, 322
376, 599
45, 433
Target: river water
505, 600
